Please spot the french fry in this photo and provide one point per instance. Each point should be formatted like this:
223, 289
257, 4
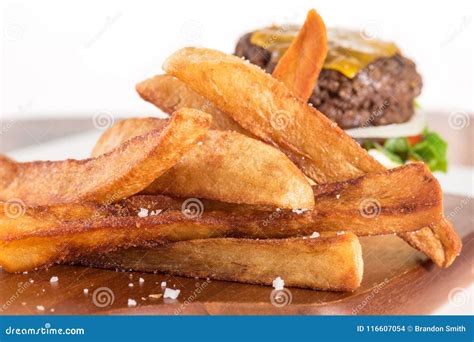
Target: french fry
170, 94
52, 234
122, 172
440, 242
300, 65
331, 262
268, 109
225, 166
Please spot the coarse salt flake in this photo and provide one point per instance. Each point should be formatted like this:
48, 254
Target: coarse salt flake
155, 212
299, 211
131, 302
278, 283
54, 279
171, 294
314, 235
143, 212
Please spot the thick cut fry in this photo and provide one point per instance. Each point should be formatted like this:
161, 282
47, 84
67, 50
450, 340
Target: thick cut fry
62, 232
225, 166
331, 263
440, 242
300, 65
268, 109
170, 94
122, 172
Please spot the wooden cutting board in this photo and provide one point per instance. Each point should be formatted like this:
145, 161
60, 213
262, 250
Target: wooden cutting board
397, 280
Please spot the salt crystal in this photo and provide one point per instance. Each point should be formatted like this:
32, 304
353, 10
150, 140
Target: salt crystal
86, 291
299, 211
315, 235
143, 212
40, 307
155, 212
130, 285
171, 294
131, 302
278, 283
340, 233
163, 284
54, 279
338, 196
141, 280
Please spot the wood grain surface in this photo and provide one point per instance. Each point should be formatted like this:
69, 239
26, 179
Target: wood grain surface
397, 280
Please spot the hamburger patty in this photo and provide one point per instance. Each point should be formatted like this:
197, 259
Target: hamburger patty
380, 94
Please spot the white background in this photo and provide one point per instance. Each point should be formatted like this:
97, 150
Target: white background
64, 58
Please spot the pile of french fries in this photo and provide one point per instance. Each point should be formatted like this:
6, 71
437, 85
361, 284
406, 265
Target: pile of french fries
244, 182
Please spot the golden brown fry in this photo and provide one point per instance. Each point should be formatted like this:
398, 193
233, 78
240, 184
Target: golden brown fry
63, 232
225, 166
113, 176
125, 130
300, 65
170, 94
331, 263
266, 107
440, 242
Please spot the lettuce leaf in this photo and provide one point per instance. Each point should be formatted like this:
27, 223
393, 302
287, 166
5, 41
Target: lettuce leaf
431, 150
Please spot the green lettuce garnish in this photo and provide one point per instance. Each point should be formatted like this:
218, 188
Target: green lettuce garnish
430, 150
